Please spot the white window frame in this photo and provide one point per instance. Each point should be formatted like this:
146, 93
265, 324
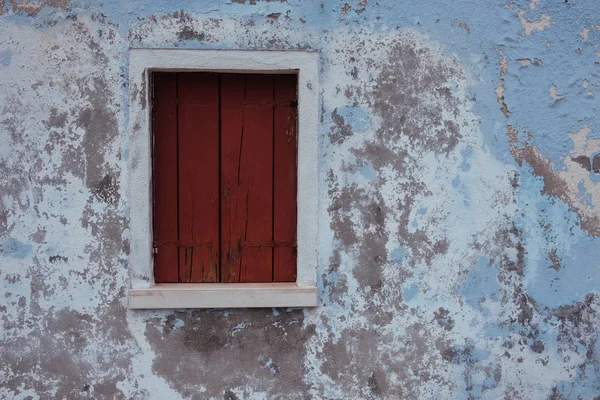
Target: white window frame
144, 292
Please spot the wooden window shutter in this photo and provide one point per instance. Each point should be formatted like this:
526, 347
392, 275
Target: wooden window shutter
225, 177
166, 206
198, 166
284, 178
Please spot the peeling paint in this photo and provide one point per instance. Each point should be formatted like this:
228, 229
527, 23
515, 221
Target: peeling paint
500, 95
531, 26
30, 7
553, 91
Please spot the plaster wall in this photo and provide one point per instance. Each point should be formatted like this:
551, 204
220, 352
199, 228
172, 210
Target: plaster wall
458, 231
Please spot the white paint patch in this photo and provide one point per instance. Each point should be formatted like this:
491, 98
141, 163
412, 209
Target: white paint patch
503, 62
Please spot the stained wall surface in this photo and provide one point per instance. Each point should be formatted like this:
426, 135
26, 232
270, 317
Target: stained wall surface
459, 255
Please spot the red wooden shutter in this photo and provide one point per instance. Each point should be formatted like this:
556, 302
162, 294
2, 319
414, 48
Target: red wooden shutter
247, 178
166, 223
284, 182
225, 177
233, 200
198, 177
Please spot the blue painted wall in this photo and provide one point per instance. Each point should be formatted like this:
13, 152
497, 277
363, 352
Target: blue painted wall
458, 228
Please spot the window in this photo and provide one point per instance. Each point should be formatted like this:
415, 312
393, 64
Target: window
227, 226
224, 176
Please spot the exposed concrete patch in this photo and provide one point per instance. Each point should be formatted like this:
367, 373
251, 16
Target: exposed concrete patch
564, 184
341, 130
346, 8
31, 7
213, 353
586, 86
500, 95
533, 4
555, 259
107, 189
503, 62
464, 25
584, 162
531, 26
585, 31
553, 92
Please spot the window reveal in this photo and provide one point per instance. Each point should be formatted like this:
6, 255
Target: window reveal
225, 151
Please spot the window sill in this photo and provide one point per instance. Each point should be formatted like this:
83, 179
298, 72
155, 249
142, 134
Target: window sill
222, 295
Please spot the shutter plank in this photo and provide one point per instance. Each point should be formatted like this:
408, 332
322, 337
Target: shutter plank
165, 176
233, 211
198, 177
257, 262
247, 178
284, 183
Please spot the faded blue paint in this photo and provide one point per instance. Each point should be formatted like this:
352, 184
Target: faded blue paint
398, 254
481, 283
5, 57
357, 117
456, 182
579, 253
578, 276
410, 292
466, 154
585, 385
368, 172
584, 195
469, 352
15, 248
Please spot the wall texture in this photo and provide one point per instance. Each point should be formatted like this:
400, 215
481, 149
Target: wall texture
458, 229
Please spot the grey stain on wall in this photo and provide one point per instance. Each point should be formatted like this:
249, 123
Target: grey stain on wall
245, 350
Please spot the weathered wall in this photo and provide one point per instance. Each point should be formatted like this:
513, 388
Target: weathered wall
458, 238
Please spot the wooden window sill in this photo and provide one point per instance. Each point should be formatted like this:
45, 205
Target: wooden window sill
222, 295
